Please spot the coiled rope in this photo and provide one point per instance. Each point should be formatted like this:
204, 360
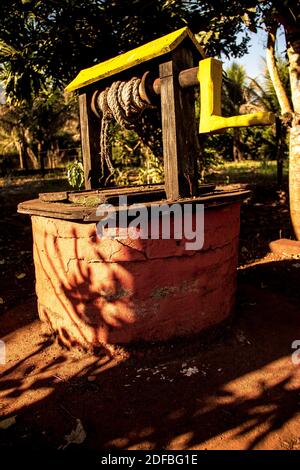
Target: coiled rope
122, 102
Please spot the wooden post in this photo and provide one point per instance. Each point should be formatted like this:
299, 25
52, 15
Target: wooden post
90, 141
180, 139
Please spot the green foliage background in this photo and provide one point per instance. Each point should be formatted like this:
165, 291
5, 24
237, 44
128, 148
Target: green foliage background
44, 44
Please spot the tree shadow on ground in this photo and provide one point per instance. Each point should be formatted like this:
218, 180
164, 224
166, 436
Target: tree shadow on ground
239, 391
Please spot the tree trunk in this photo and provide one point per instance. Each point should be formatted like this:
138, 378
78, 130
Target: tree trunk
293, 51
237, 151
282, 97
21, 155
21, 151
41, 158
31, 155
280, 137
294, 178
287, 14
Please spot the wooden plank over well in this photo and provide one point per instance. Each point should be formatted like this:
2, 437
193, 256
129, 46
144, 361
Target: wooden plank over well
69, 211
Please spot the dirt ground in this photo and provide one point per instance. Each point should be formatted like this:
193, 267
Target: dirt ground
234, 389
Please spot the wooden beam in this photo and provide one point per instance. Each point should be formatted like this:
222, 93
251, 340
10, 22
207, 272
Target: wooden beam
89, 214
90, 141
186, 78
180, 139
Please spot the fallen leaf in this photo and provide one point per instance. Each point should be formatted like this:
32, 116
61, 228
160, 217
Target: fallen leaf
240, 336
77, 435
189, 371
6, 423
20, 276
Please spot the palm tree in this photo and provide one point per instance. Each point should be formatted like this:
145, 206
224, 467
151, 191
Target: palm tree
21, 79
34, 130
233, 93
20, 70
15, 134
262, 97
49, 113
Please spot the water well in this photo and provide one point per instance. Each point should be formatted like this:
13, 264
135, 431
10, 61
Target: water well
125, 289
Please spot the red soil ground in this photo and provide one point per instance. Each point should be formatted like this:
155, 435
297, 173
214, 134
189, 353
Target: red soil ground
234, 389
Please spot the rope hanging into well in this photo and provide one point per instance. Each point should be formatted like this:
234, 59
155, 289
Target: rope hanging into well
122, 102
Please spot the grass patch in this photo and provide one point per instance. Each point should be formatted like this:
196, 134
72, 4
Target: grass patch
247, 171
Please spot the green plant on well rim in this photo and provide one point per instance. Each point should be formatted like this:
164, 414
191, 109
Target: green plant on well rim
75, 174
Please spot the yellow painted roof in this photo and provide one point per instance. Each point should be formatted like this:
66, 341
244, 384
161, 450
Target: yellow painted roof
137, 56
